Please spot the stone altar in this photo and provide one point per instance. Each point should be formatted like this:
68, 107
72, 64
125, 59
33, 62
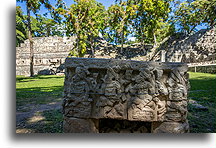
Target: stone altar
124, 96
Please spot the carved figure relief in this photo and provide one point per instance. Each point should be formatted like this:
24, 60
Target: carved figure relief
142, 105
79, 103
160, 109
160, 88
177, 111
122, 92
177, 79
126, 90
110, 104
93, 84
177, 104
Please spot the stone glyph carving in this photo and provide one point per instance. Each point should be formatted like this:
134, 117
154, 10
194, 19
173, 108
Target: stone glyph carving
125, 90
110, 103
78, 102
146, 105
142, 105
177, 104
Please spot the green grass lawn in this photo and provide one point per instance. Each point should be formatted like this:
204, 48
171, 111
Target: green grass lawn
39, 89
43, 90
203, 91
37, 92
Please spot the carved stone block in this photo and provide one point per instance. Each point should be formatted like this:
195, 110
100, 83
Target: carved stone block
125, 90
170, 127
76, 125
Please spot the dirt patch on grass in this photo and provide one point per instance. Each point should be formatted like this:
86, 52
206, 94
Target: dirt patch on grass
35, 118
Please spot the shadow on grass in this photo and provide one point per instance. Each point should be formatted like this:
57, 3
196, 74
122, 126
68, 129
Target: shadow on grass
28, 79
54, 121
203, 84
50, 121
47, 121
38, 105
38, 95
202, 120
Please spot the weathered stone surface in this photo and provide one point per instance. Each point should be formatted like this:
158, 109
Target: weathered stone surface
125, 90
170, 127
76, 125
195, 48
49, 55
50, 52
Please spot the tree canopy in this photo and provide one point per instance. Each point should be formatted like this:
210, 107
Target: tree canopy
190, 14
149, 21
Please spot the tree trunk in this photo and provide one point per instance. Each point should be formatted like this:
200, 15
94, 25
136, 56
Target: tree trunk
92, 47
143, 43
30, 40
77, 49
116, 38
122, 41
155, 40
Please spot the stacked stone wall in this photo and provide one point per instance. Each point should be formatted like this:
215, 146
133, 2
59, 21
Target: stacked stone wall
196, 48
49, 53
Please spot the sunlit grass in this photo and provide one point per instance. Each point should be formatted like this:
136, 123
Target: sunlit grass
36, 91
45, 83
48, 90
39, 89
203, 91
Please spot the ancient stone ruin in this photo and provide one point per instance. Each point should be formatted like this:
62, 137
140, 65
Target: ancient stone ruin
49, 55
196, 48
124, 96
50, 52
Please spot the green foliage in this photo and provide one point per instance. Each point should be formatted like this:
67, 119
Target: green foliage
119, 18
191, 14
151, 16
185, 17
20, 26
40, 25
87, 18
44, 27
117, 21
144, 19
35, 5
164, 29
150, 21
205, 10
84, 19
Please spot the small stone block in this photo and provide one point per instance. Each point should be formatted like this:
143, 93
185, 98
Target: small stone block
170, 127
75, 125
